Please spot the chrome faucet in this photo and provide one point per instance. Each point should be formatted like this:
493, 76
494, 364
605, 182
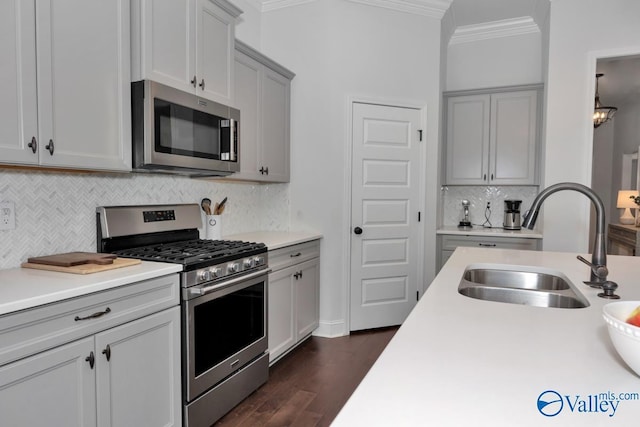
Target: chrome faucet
598, 262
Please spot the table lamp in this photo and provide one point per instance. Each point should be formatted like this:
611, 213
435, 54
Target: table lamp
625, 201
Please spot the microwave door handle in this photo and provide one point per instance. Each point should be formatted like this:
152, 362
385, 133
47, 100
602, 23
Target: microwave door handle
233, 140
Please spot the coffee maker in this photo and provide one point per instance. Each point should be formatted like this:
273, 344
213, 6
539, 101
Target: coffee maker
512, 215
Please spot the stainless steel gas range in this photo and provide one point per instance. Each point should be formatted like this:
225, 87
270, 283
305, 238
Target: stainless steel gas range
224, 301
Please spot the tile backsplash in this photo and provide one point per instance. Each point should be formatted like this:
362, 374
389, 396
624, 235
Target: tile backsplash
478, 196
55, 212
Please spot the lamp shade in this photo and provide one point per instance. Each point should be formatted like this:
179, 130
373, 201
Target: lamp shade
625, 200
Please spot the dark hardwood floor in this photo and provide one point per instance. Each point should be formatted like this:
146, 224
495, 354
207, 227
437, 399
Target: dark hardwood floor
309, 386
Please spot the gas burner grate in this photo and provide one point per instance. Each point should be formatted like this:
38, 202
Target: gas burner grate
193, 252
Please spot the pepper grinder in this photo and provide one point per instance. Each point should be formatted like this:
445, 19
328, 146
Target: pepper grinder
465, 222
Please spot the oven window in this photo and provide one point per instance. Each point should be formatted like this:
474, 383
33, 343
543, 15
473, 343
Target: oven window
184, 131
226, 325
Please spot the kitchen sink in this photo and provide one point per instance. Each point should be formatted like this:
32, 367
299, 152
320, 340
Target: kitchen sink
526, 287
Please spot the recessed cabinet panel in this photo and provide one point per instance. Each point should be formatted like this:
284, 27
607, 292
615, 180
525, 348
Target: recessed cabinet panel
467, 139
385, 212
384, 290
274, 151
215, 52
384, 252
381, 173
53, 388
513, 148
18, 103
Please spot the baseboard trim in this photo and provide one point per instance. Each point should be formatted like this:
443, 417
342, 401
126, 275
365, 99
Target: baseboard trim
333, 329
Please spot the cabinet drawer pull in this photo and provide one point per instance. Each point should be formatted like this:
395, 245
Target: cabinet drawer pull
295, 255
107, 352
91, 359
488, 245
193, 81
33, 144
49, 147
201, 84
94, 315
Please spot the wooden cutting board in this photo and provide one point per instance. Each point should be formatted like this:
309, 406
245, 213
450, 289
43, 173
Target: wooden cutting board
73, 258
84, 268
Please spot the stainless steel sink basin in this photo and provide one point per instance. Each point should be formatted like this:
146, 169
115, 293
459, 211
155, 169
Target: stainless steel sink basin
526, 287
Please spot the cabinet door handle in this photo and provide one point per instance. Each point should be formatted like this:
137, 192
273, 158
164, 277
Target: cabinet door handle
488, 245
50, 147
491, 177
484, 177
91, 359
295, 255
94, 315
107, 352
298, 275
264, 171
193, 81
33, 144
201, 84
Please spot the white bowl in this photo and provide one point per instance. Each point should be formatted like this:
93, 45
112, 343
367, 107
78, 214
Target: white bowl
625, 337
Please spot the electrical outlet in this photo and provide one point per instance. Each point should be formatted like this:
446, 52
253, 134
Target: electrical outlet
7, 216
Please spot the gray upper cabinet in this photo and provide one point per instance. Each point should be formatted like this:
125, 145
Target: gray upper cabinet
65, 84
262, 93
492, 137
187, 45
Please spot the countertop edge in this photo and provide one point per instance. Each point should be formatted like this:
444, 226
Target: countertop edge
277, 239
25, 288
493, 232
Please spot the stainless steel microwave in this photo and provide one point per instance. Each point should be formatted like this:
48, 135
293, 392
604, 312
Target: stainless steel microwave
178, 132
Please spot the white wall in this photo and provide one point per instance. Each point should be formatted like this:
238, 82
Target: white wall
503, 61
580, 31
249, 23
339, 49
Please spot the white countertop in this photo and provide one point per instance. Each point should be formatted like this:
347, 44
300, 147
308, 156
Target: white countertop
459, 361
276, 239
23, 288
490, 232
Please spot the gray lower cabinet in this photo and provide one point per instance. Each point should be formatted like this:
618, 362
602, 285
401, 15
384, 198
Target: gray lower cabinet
447, 243
119, 369
293, 296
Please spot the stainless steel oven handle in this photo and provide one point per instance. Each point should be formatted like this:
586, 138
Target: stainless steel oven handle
196, 291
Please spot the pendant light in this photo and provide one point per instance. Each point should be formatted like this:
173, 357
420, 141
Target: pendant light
601, 114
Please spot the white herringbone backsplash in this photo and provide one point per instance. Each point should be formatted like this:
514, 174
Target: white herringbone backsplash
55, 212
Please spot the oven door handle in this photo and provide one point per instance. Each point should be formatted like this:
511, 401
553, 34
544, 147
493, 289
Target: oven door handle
200, 291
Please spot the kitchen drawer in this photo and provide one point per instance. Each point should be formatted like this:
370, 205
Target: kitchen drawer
31, 331
453, 241
291, 255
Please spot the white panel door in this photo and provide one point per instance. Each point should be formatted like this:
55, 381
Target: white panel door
384, 215
18, 102
274, 150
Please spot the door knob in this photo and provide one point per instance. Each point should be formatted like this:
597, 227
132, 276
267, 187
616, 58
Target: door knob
357, 230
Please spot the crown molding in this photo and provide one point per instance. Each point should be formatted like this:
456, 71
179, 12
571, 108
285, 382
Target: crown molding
268, 5
495, 29
431, 8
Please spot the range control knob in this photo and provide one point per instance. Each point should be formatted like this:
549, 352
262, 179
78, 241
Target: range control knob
259, 260
247, 263
216, 272
233, 267
204, 275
